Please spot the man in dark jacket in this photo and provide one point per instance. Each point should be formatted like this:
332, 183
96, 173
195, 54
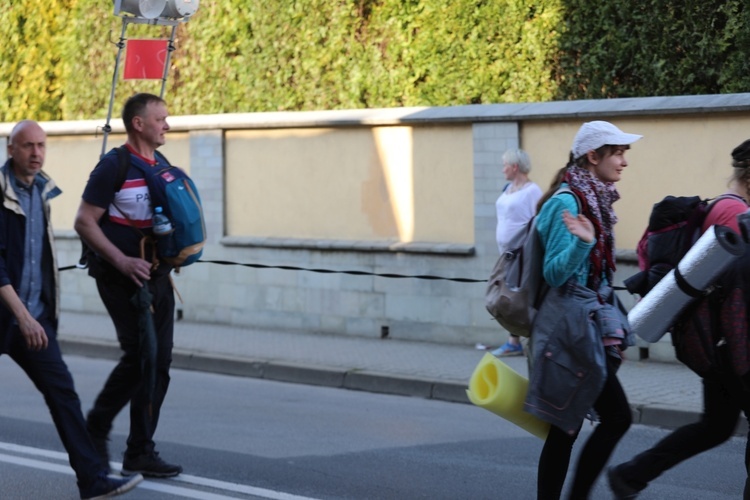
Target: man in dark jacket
29, 303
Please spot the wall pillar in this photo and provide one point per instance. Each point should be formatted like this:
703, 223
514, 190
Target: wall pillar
491, 140
207, 170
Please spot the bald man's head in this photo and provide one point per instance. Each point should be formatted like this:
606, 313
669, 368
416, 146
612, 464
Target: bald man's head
27, 147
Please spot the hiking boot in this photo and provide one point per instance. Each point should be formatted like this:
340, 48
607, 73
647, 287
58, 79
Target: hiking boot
105, 487
508, 349
620, 488
150, 465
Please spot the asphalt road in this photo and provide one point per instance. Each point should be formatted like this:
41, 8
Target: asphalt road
250, 438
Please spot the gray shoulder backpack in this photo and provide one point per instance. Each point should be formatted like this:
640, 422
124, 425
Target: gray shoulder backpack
516, 286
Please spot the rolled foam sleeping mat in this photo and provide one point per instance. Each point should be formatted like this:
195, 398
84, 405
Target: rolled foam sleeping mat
701, 266
496, 387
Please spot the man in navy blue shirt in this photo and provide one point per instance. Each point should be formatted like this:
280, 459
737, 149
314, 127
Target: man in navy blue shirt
113, 220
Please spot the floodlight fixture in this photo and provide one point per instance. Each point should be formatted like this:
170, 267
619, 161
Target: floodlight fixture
145, 9
177, 9
157, 9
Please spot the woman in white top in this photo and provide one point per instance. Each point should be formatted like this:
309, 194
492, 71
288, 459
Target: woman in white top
515, 206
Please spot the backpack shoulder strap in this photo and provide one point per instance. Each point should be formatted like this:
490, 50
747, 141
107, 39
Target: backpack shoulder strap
162, 158
725, 196
570, 192
123, 157
711, 202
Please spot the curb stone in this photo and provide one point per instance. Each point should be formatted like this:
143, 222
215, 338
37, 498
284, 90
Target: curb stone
655, 415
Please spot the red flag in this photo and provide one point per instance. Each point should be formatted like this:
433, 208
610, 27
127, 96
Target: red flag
145, 59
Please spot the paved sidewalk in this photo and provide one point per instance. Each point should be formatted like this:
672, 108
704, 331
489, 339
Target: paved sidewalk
661, 394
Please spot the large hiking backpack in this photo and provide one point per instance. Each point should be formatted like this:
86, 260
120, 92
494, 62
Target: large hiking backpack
172, 189
516, 286
713, 334
673, 227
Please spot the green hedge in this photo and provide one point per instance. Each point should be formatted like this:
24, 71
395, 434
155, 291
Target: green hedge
653, 47
57, 58
31, 66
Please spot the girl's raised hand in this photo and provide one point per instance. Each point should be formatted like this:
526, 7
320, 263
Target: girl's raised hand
579, 226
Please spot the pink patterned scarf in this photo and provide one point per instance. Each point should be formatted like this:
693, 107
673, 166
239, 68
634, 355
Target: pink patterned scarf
597, 198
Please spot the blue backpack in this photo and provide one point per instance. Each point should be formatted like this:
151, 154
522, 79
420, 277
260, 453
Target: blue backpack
172, 189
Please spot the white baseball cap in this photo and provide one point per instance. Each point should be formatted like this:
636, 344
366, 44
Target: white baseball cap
593, 135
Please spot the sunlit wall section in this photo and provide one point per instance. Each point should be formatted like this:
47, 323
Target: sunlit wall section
395, 148
391, 185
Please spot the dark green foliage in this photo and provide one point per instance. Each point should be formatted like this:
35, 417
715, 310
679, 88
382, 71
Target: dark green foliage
620, 48
57, 58
735, 74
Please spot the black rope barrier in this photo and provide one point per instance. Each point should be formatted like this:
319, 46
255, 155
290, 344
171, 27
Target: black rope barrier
333, 271
355, 273
325, 271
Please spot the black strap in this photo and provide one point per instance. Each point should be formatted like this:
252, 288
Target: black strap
686, 287
123, 157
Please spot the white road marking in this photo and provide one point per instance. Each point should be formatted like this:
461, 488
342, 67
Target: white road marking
36, 464
149, 485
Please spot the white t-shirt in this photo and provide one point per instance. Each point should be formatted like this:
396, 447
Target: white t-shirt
514, 210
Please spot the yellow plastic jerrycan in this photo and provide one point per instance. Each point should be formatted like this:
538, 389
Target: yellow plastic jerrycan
496, 387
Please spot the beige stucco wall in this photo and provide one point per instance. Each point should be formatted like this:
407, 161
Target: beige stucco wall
397, 183
679, 155
286, 193
411, 183
70, 159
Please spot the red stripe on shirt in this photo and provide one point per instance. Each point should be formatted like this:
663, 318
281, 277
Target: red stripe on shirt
140, 224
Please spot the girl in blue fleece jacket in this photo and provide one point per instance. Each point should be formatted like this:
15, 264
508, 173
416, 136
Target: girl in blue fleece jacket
580, 330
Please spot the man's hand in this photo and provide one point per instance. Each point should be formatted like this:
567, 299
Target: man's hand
136, 269
33, 333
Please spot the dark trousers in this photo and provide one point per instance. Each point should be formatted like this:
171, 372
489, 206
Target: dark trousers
615, 418
723, 400
51, 376
126, 383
